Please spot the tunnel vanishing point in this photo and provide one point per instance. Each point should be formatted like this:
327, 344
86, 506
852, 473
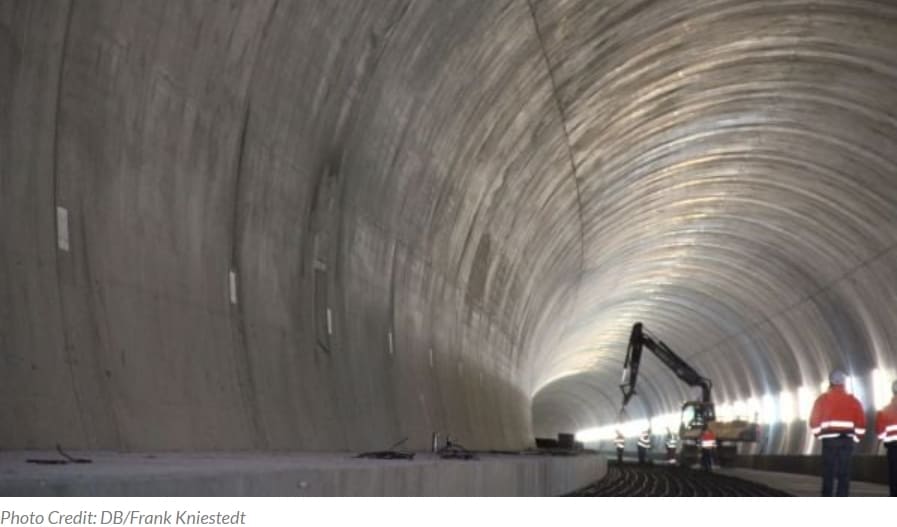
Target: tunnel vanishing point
328, 225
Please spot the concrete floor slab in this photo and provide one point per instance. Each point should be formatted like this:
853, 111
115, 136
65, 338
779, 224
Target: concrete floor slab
293, 474
800, 484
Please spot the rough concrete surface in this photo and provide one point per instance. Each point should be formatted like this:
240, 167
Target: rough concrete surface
325, 226
283, 474
802, 485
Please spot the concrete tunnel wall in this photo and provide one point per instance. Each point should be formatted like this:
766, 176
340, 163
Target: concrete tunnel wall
332, 155
439, 216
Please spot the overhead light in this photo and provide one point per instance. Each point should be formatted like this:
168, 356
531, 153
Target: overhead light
589, 435
739, 409
724, 412
805, 399
768, 409
753, 408
881, 387
660, 423
636, 427
787, 409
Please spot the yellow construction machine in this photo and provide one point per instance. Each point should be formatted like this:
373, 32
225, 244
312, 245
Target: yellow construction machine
695, 414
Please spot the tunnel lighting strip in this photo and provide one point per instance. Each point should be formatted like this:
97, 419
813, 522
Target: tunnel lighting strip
768, 409
787, 408
806, 396
881, 387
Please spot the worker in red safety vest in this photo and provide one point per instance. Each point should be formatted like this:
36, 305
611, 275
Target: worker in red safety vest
838, 420
886, 431
707, 442
620, 443
672, 442
644, 444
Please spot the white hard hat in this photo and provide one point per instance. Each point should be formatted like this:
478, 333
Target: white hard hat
837, 377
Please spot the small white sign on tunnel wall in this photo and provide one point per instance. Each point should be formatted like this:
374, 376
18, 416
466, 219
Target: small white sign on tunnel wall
232, 281
62, 228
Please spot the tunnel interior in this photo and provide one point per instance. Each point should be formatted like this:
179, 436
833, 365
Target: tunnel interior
324, 226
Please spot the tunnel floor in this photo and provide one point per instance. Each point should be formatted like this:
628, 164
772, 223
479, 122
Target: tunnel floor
291, 474
631, 479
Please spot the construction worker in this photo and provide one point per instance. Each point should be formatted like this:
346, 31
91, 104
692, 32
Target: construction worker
838, 421
620, 443
886, 430
644, 444
672, 442
707, 442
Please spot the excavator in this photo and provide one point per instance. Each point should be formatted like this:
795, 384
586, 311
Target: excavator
695, 414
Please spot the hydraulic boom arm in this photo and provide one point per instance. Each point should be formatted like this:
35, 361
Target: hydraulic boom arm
639, 339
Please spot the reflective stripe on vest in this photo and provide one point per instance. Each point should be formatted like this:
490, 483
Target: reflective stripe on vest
889, 435
837, 424
830, 429
708, 443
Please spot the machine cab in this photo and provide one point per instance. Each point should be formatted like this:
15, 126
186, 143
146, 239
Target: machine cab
696, 413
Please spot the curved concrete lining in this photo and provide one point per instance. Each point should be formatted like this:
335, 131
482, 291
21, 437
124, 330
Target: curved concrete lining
295, 225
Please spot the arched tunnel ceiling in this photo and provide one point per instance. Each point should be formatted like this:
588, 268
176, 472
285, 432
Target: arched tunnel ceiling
738, 168
481, 196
